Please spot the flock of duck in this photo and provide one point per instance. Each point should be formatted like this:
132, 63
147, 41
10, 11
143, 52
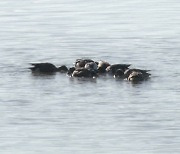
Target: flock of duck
88, 68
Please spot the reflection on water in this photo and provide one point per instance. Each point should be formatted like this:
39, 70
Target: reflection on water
58, 114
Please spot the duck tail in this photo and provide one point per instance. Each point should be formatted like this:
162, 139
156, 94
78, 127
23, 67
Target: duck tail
31, 68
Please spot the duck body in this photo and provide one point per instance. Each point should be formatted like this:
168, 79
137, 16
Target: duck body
83, 72
47, 68
136, 76
79, 63
91, 66
43, 67
129, 71
102, 65
113, 68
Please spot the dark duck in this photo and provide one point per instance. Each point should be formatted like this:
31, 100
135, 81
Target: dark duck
82, 62
83, 72
47, 68
145, 73
137, 75
86, 68
113, 68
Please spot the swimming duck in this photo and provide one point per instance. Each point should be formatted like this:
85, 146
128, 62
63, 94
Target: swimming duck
138, 76
113, 68
83, 72
82, 62
102, 65
91, 66
129, 71
47, 68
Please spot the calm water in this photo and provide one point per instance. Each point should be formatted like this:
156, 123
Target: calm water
58, 115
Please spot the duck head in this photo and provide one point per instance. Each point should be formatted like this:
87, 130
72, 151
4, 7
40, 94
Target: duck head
62, 69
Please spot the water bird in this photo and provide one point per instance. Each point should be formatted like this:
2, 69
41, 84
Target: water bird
91, 66
136, 76
102, 65
47, 68
129, 71
113, 68
83, 72
82, 62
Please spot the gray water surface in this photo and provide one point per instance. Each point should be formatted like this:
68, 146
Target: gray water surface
60, 115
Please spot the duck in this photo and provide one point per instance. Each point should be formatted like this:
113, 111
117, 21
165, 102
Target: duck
113, 68
102, 65
79, 63
136, 76
91, 66
129, 71
47, 68
83, 72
